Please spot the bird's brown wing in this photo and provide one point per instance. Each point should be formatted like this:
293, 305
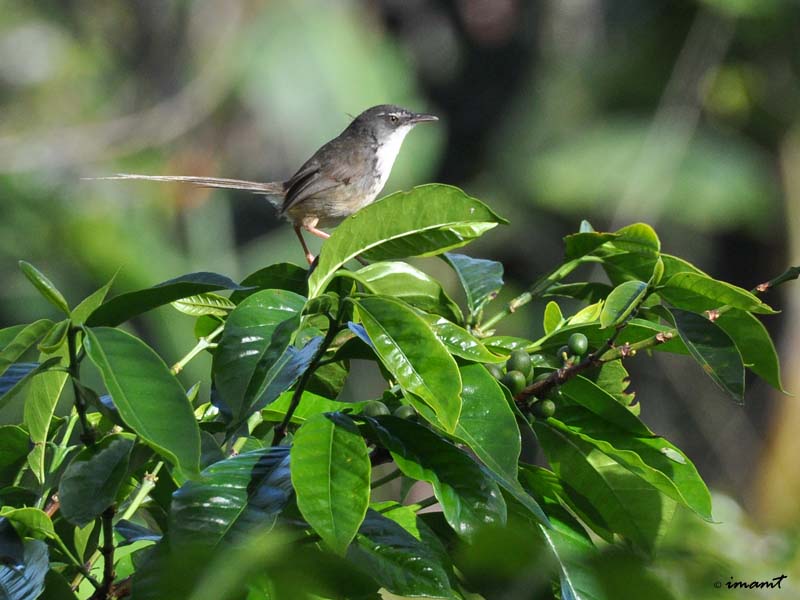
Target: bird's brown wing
275, 188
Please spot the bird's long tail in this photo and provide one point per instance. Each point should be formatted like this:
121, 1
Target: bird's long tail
274, 188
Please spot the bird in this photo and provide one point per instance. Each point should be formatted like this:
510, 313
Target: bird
343, 176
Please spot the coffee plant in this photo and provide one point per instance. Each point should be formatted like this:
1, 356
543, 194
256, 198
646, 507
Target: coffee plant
260, 482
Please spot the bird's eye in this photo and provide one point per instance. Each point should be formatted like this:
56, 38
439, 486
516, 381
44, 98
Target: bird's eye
393, 118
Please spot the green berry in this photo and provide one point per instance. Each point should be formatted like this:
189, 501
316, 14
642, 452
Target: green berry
578, 344
405, 412
544, 408
519, 361
495, 370
514, 381
375, 408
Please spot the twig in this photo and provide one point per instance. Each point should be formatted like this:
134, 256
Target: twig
425, 503
386, 479
107, 550
74, 368
202, 344
788, 275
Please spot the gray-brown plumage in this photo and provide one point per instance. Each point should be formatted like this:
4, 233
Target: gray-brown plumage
341, 177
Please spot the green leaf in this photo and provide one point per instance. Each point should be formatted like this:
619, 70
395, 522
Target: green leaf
459, 341
401, 280
22, 341
29, 522
204, 304
45, 286
91, 481
331, 477
89, 304
280, 276
14, 447
505, 344
27, 376
126, 306
480, 278
754, 343
553, 318
149, 398
580, 244
637, 512
470, 499
26, 582
232, 498
424, 221
56, 337
44, 390
621, 302
695, 292
588, 291
638, 238
413, 354
601, 403
714, 350
487, 424
256, 335
310, 405
399, 562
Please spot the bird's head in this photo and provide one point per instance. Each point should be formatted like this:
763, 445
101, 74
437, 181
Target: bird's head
386, 121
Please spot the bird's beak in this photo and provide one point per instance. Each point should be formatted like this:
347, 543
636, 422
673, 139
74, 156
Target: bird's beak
422, 117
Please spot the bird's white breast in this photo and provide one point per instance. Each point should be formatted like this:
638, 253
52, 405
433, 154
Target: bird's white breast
387, 153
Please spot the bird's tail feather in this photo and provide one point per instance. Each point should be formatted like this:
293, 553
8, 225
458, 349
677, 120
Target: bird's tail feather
274, 188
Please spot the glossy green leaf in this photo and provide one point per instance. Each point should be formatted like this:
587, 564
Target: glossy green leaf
399, 562
45, 287
280, 276
553, 319
126, 306
505, 344
20, 343
459, 341
487, 424
638, 238
481, 279
691, 291
89, 304
14, 447
204, 304
310, 405
331, 477
588, 314
401, 280
149, 398
26, 581
29, 522
26, 375
91, 481
580, 244
602, 404
470, 498
56, 337
588, 291
232, 498
426, 220
256, 335
43, 393
621, 302
626, 504
714, 350
410, 350
754, 344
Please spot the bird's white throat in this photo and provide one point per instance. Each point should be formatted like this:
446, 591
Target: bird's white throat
387, 153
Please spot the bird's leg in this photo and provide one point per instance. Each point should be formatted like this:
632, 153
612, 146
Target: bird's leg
311, 228
309, 256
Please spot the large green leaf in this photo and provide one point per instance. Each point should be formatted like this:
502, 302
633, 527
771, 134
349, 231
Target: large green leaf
627, 505
414, 355
480, 278
126, 306
602, 404
30, 522
637, 238
400, 280
470, 498
204, 304
459, 341
89, 304
399, 562
91, 481
714, 350
149, 398
26, 581
487, 424
426, 220
331, 477
45, 287
232, 498
22, 341
580, 244
310, 405
754, 343
621, 302
696, 292
256, 335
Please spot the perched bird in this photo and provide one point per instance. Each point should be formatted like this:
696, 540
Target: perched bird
341, 177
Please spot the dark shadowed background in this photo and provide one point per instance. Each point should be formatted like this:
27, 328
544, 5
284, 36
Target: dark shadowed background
681, 114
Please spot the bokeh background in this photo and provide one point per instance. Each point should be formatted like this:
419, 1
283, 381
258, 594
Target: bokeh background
684, 114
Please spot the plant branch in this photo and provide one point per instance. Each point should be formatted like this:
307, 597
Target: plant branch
87, 432
386, 479
202, 344
430, 501
788, 275
148, 483
107, 550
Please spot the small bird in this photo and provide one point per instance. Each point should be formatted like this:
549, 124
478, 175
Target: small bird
343, 176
